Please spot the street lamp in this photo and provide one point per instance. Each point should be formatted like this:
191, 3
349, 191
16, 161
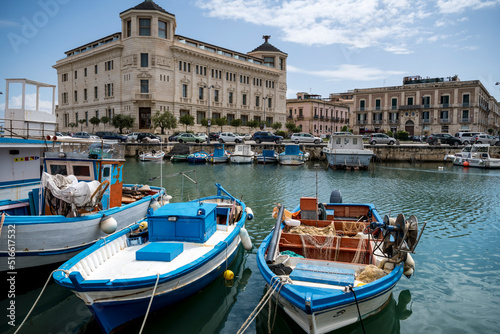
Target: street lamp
208, 115
264, 99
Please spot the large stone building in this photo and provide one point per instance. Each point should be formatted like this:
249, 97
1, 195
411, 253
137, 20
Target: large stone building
315, 115
147, 68
424, 106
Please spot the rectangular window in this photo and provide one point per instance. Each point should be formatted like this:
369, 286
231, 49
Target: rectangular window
108, 66
257, 98
362, 105
144, 27
144, 86
445, 100
64, 98
85, 72
184, 91
410, 101
465, 100
200, 93
269, 61
76, 74
231, 97
95, 69
244, 99
426, 101
64, 77
96, 93
144, 60
162, 29
269, 102
377, 104
108, 90
465, 114
129, 28
85, 94
394, 104
76, 96
216, 95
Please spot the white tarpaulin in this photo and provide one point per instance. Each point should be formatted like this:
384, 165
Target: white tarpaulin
68, 189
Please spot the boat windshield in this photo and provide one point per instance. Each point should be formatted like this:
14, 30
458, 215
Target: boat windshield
96, 150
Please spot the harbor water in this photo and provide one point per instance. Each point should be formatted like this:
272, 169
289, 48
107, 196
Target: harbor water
455, 288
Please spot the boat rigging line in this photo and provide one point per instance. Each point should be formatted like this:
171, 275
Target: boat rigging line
183, 174
150, 302
350, 288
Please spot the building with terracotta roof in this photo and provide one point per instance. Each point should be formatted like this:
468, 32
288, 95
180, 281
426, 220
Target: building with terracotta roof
146, 68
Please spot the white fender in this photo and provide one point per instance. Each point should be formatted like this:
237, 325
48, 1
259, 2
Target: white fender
249, 213
245, 239
108, 225
409, 266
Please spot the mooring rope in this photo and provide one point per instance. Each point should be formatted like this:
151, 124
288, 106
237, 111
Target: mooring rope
36, 301
279, 281
150, 302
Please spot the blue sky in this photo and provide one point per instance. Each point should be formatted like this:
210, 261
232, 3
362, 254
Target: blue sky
332, 45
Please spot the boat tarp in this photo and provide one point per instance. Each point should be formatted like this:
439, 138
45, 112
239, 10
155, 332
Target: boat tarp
68, 189
292, 150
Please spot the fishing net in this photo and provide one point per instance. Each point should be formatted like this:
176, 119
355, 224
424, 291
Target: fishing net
370, 273
313, 230
320, 250
358, 258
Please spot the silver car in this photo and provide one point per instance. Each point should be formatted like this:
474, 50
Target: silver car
484, 138
304, 138
380, 138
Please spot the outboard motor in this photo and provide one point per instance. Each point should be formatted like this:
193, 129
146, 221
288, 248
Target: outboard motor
336, 196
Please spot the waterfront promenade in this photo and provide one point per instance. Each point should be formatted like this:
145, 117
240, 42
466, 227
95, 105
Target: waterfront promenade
406, 151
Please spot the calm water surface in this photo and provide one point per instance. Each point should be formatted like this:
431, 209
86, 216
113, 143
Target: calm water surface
455, 289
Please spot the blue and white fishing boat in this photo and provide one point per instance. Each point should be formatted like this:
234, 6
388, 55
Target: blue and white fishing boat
329, 265
79, 198
242, 154
267, 157
293, 156
199, 157
347, 151
186, 247
220, 155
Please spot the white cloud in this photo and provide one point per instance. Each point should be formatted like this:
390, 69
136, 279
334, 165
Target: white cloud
348, 72
15, 102
387, 24
459, 6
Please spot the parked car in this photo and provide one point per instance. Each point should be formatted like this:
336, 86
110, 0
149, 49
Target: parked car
214, 136
202, 135
229, 137
62, 135
174, 136
305, 138
189, 138
381, 138
484, 138
145, 137
111, 136
466, 137
83, 134
266, 136
443, 138
132, 136
245, 136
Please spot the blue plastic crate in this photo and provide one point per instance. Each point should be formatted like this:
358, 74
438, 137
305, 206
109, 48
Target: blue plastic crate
323, 274
159, 252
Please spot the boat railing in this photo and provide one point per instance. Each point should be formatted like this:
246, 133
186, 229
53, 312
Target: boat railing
87, 150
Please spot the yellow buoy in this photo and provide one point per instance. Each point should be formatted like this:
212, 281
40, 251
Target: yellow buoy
228, 275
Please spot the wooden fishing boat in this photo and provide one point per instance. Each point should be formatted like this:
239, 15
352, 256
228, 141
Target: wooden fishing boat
187, 245
220, 155
152, 156
79, 198
267, 157
329, 265
293, 156
179, 158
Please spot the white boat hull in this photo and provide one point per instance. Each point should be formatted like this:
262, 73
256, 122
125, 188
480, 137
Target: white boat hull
349, 158
292, 160
241, 159
42, 240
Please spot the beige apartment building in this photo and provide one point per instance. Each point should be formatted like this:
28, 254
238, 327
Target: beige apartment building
147, 68
315, 115
424, 106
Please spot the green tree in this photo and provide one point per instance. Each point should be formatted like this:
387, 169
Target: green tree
253, 124
236, 123
105, 120
276, 126
82, 121
345, 129
94, 121
122, 121
221, 121
72, 125
290, 126
164, 120
187, 120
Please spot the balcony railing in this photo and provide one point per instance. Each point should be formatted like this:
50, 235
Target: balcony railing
185, 100
377, 121
145, 96
465, 120
410, 107
426, 120
361, 121
300, 117
444, 120
393, 121
444, 105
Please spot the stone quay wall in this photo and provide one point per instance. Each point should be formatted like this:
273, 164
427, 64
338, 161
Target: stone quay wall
404, 152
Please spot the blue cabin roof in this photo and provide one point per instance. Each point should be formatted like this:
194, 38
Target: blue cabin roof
268, 153
292, 150
219, 150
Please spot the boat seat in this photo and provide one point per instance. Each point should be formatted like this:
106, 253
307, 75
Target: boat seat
323, 274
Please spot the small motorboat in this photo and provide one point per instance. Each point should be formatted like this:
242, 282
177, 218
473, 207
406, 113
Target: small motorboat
476, 155
267, 157
152, 156
179, 158
198, 157
347, 151
186, 246
329, 265
242, 154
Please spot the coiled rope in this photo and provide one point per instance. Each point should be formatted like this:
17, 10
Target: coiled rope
279, 281
150, 302
36, 301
